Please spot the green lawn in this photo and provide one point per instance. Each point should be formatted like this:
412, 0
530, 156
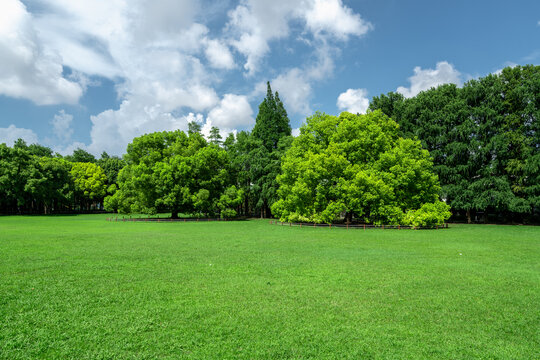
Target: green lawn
79, 287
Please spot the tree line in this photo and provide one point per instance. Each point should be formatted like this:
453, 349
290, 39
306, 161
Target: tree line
476, 148
484, 140
35, 180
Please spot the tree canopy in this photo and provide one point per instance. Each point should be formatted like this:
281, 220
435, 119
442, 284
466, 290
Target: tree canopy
483, 138
356, 166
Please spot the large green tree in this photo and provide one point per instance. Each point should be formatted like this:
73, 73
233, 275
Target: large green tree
483, 138
270, 133
356, 166
175, 172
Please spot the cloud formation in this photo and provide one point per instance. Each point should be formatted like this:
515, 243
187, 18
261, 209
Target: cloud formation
164, 60
425, 79
10, 134
28, 70
353, 101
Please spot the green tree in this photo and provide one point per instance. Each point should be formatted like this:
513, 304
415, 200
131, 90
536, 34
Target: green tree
172, 171
215, 137
90, 183
355, 166
49, 183
80, 155
271, 126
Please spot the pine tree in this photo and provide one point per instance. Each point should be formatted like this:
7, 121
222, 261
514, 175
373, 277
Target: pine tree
215, 136
271, 127
272, 122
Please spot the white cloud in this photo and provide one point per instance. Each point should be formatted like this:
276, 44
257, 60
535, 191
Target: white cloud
295, 90
12, 133
162, 61
112, 130
332, 17
28, 70
62, 126
295, 132
425, 79
233, 111
353, 101
255, 23
219, 55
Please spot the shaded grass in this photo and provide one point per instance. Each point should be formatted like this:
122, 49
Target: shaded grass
80, 287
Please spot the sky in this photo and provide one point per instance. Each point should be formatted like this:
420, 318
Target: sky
96, 74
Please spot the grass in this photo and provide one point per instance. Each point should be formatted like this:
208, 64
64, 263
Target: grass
79, 287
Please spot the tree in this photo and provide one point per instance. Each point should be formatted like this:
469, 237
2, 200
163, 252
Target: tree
272, 122
356, 165
111, 165
90, 183
482, 137
15, 169
215, 136
172, 171
80, 155
49, 183
271, 126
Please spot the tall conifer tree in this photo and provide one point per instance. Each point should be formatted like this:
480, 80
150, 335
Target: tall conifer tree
272, 128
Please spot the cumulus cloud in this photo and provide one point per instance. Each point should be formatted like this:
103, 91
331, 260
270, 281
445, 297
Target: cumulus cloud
295, 90
219, 55
163, 60
28, 69
112, 130
353, 101
255, 23
233, 111
424, 79
12, 133
333, 18
62, 126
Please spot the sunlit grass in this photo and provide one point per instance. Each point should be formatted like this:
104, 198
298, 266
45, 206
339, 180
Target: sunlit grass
81, 287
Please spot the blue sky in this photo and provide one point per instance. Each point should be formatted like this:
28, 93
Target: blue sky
94, 74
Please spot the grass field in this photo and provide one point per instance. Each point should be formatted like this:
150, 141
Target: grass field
79, 287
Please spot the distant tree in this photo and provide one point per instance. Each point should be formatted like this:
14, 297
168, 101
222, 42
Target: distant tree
40, 150
80, 155
194, 127
15, 170
90, 183
215, 137
111, 165
272, 122
49, 183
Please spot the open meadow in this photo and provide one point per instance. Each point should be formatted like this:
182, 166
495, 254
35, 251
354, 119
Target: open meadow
79, 287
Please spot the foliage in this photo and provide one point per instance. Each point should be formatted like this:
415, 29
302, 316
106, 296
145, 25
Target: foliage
271, 136
429, 215
89, 180
229, 202
483, 139
172, 171
80, 155
354, 165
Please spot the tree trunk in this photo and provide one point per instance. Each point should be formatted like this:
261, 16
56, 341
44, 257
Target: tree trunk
468, 216
174, 214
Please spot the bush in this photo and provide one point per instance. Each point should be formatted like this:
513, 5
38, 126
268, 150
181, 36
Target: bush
429, 215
